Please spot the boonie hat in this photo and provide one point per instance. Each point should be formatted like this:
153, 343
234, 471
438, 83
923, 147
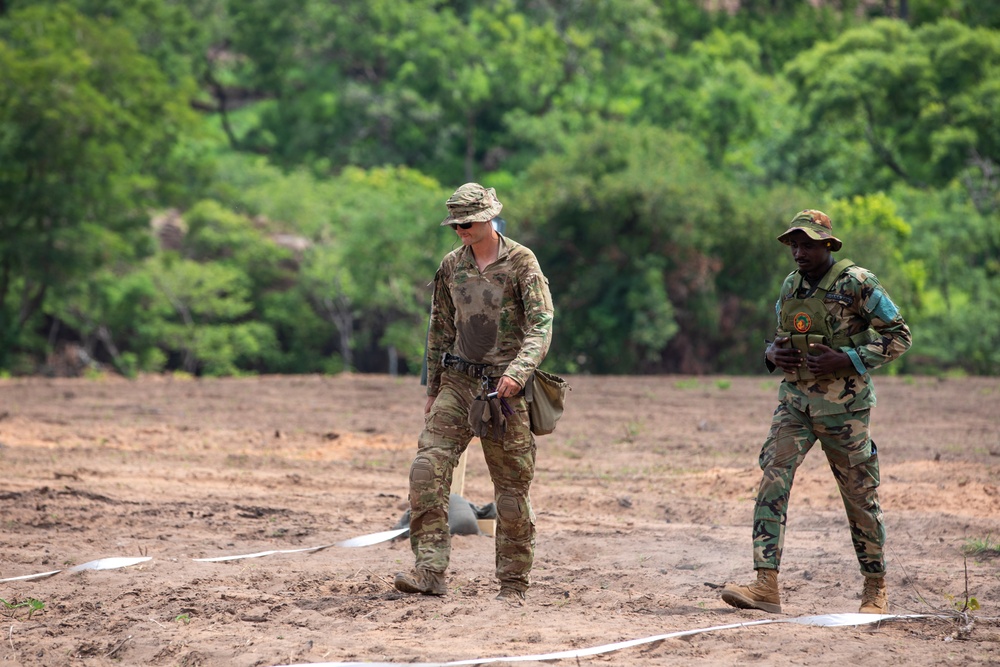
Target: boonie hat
816, 225
472, 203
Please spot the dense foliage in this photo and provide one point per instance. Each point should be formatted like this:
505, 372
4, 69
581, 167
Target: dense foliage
221, 187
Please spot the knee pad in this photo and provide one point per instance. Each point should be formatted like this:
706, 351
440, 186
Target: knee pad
422, 470
508, 507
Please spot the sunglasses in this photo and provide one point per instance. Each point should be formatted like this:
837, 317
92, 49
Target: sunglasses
462, 225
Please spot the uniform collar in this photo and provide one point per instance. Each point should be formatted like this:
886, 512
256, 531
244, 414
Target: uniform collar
502, 252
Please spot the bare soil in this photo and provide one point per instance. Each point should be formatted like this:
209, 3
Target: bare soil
643, 495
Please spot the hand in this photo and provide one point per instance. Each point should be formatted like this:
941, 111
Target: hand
786, 358
823, 360
507, 387
430, 402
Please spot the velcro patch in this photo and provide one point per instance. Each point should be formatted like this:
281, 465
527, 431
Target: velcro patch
844, 299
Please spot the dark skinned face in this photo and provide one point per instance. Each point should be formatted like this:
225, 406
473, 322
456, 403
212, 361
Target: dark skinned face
812, 257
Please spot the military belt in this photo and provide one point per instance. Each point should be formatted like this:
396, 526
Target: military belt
469, 368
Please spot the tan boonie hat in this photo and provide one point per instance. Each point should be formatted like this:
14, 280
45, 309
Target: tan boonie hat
816, 225
472, 203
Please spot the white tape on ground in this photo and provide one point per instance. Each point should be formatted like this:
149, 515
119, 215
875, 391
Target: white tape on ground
374, 538
219, 559
361, 541
26, 577
118, 562
826, 620
109, 563
99, 564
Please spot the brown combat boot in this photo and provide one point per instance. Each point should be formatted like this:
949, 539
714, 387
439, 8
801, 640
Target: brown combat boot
511, 595
875, 597
421, 581
761, 594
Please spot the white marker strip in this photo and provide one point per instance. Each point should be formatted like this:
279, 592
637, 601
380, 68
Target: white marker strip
109, 563
26, 577
373, 538
361, 541
262, 553
114, 563
100, 564
827, 620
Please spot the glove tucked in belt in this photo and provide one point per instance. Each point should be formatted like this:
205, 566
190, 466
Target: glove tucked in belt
487, 419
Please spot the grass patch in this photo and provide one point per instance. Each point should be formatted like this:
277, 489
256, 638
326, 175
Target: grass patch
981, 547
687, 383
632, 430
31, 604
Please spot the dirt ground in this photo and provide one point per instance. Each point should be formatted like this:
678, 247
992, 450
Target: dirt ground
643, 495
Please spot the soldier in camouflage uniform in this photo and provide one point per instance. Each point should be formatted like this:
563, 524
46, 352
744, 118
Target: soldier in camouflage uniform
490, 327
835, 324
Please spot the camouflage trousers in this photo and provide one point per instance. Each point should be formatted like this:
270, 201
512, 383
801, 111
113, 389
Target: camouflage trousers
853, 458
511, 464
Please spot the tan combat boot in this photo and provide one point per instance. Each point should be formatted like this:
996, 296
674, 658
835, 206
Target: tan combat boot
511, 595
875, 597
421, 581
761, 594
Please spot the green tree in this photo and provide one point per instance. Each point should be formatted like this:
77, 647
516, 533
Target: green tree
207, 327
88, 126
347, 83
886, 104
442, 87
785, 28
956, 249
176, 35
622, 222
877, 237
115, 313
368, 272
972, 13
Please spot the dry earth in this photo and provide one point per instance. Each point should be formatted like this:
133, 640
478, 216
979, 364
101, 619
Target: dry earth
643, 495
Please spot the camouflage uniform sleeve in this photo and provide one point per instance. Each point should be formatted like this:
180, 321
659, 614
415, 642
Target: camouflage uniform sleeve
884, 317
538, 314
441, 332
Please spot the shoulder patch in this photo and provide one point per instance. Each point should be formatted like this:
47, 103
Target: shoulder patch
881, 306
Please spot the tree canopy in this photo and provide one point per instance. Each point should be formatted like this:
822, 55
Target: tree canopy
219, 187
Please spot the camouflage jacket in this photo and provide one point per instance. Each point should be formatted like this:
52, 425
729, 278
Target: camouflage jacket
855, 302
500, 317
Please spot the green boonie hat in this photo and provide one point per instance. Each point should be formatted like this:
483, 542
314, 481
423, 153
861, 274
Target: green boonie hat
816, 225
472, 203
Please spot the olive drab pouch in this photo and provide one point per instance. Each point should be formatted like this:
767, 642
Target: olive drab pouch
545, 394
801, 342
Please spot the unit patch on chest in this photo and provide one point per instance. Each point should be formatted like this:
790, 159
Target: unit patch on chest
802, 322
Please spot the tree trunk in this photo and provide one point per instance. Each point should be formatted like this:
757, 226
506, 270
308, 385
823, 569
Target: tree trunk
104, 335
189, 363
339, 313
30, 302
219, 93
393, 361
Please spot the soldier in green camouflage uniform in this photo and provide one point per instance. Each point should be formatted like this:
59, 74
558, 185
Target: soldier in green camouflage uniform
491, 323
835, 324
